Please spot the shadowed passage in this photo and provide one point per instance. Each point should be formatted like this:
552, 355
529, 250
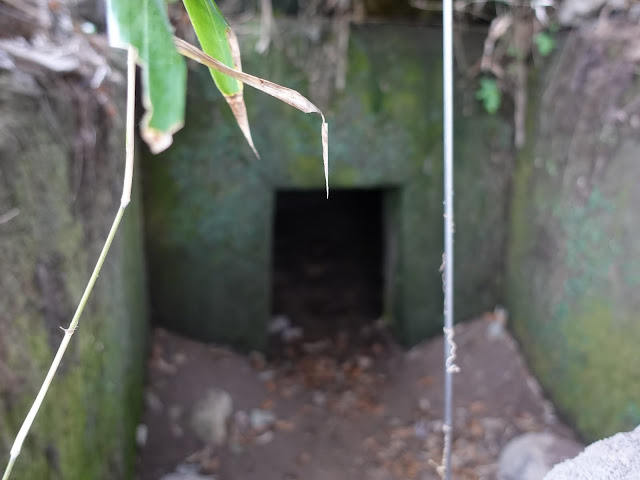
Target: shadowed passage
328, 260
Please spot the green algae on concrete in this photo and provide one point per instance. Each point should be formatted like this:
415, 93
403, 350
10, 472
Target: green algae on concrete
574, 255
66, 193
209, 204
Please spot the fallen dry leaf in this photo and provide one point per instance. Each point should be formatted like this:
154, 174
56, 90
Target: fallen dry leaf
427, 381
285, 425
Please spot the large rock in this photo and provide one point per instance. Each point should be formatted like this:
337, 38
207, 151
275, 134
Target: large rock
574, 256
532, 455
61, 173
614, 458
210, 416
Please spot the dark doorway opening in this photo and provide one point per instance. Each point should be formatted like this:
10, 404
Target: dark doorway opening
328, 260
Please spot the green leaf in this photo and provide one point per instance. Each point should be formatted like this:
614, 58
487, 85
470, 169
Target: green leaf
214, 35
144, 25
219, 42
545, 42
489, 94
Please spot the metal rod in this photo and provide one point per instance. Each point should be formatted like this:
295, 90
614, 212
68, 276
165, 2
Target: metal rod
449, 346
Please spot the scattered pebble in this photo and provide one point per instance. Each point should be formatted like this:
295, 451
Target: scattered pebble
424, 404
210, 416
142, 435
420, 429
291, 334
257, 360
241, 420
186, 472
179, 358
495, 330
261, 419
278, 324
319, 399
175, 412
153, 402
364, 362
313, 348
267, 375
264, 438
395, 395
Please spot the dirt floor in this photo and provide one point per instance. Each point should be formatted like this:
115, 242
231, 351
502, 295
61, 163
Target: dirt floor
341, 409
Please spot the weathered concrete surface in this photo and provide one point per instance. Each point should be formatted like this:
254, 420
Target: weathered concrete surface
61, 169
614, 458
209, 203
574, 254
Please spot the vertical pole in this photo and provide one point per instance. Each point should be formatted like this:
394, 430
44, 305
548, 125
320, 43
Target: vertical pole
449, 346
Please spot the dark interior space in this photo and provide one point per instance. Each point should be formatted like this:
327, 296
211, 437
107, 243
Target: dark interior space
328, 260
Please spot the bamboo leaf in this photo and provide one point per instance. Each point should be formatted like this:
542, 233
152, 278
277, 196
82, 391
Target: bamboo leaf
213, 33
144, 25
218, 40
284, 94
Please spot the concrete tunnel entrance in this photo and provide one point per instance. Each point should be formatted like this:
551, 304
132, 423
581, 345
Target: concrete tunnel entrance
328, 258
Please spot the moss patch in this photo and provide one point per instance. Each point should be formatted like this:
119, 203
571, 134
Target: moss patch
573, 265
66, 204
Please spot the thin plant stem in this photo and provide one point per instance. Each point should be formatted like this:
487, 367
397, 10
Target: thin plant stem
68, 332
9, 468
449, 346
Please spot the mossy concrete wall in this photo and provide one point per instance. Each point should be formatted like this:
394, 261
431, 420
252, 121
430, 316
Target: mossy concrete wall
574, 255
61, 169
209, 204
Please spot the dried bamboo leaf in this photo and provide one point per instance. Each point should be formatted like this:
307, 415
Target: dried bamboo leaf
284, 94
236, 101
239, 109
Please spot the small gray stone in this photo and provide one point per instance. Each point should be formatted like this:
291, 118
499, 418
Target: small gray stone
278, 324
264, 438
142, 435
241, 420
175, 412
614, 458
532, 455
424, 404
319, 399
261, 419
421, 429
153, 402
495, 330
365, 362
267, 375
186, 471
210, 416
292, 334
